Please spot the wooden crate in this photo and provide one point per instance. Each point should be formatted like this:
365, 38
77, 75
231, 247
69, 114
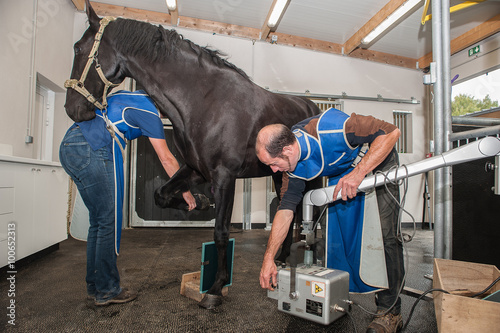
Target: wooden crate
190, 286
457, 312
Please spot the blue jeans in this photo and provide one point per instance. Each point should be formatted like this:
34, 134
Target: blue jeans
389, 211
93, 174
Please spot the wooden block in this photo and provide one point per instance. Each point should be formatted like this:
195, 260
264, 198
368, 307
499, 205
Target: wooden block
190, 286
455, 312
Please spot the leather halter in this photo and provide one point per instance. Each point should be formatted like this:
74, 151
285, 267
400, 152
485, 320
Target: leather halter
78, 85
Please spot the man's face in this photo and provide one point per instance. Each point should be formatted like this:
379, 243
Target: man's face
280, 163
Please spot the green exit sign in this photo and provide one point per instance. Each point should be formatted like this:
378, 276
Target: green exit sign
474, 50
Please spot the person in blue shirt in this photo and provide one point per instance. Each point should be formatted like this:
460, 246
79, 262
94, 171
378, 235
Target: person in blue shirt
345, 148
91, 153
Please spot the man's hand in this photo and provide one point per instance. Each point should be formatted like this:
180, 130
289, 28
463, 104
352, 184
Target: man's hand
379, 149
191, 202
268, 274
349, 185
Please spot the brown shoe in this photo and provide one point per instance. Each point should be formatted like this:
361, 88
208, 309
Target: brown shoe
123, 297
388, 323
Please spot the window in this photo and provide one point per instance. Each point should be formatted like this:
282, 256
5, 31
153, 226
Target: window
43, 123
325, 105
402, 119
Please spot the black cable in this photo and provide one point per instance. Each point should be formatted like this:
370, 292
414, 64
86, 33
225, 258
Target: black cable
352, 321
487, 288
446, 292
404, 183
416, 302
319, 218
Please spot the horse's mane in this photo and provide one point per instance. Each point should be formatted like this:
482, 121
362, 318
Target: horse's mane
157, 43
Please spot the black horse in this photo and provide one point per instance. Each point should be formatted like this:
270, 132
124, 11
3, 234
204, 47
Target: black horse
215, 109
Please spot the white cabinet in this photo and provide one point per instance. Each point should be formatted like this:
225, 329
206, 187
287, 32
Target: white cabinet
33, 196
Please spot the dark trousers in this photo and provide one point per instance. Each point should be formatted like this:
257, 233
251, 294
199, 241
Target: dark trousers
389, 210
93, 174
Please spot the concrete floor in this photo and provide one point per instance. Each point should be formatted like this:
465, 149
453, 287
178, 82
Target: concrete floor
50, 292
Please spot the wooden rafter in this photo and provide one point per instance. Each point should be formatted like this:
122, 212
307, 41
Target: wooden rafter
308, 43
184, 21
174, 16
385, 58
355, 40
471, 37
79, 4
249, 33
265, 30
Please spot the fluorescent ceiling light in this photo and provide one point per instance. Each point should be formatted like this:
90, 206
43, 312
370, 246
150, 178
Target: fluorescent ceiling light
390, 20
171, 4
276, 13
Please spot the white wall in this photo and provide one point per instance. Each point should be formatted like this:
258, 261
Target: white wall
52, 38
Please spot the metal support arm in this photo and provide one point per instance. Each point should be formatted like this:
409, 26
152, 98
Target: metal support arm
486, 147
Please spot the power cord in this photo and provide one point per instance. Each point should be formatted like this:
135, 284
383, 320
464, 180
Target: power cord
403, 182
352, 321
348, 313
416, 302
446, 292
487, 288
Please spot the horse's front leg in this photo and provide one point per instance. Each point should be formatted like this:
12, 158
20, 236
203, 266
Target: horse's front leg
170, 194
224, 198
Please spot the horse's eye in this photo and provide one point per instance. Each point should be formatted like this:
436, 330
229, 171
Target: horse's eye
77, 49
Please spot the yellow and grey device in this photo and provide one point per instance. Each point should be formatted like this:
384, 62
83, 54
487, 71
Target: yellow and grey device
314, 293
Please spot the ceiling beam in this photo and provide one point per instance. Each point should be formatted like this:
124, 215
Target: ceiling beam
471, 37
249, 33
307, 43
79, 4
266, 30
174, 13
352, 43
385, 58
184, 21
174, 16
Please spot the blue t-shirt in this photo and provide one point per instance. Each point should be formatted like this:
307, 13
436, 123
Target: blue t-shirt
133, 113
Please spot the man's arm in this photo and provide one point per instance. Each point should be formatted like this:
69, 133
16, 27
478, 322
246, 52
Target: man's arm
279, 230
379, 150
171, 166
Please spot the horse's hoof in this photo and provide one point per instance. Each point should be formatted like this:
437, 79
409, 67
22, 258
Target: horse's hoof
210, 302
202, 202
159, 200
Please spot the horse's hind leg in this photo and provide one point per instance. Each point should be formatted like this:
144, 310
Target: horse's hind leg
224, 198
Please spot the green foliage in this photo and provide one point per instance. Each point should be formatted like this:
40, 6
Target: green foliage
464, 104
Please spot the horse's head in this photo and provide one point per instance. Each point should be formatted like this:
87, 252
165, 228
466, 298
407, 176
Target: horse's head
96, 68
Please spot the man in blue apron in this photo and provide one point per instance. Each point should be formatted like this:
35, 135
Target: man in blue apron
91, 153
331, 144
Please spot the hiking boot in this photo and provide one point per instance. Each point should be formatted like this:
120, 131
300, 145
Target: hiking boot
123, 297
389, 323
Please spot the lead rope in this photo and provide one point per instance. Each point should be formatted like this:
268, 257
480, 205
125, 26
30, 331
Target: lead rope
113, 130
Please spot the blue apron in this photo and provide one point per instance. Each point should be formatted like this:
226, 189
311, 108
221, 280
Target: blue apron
121, 131
331, 155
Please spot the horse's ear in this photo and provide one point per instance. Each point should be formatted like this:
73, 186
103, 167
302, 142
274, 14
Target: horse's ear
92, 16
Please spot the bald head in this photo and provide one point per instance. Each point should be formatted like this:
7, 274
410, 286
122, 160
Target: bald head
273, 138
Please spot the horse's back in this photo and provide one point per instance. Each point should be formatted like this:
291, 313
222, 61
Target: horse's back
275, 108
